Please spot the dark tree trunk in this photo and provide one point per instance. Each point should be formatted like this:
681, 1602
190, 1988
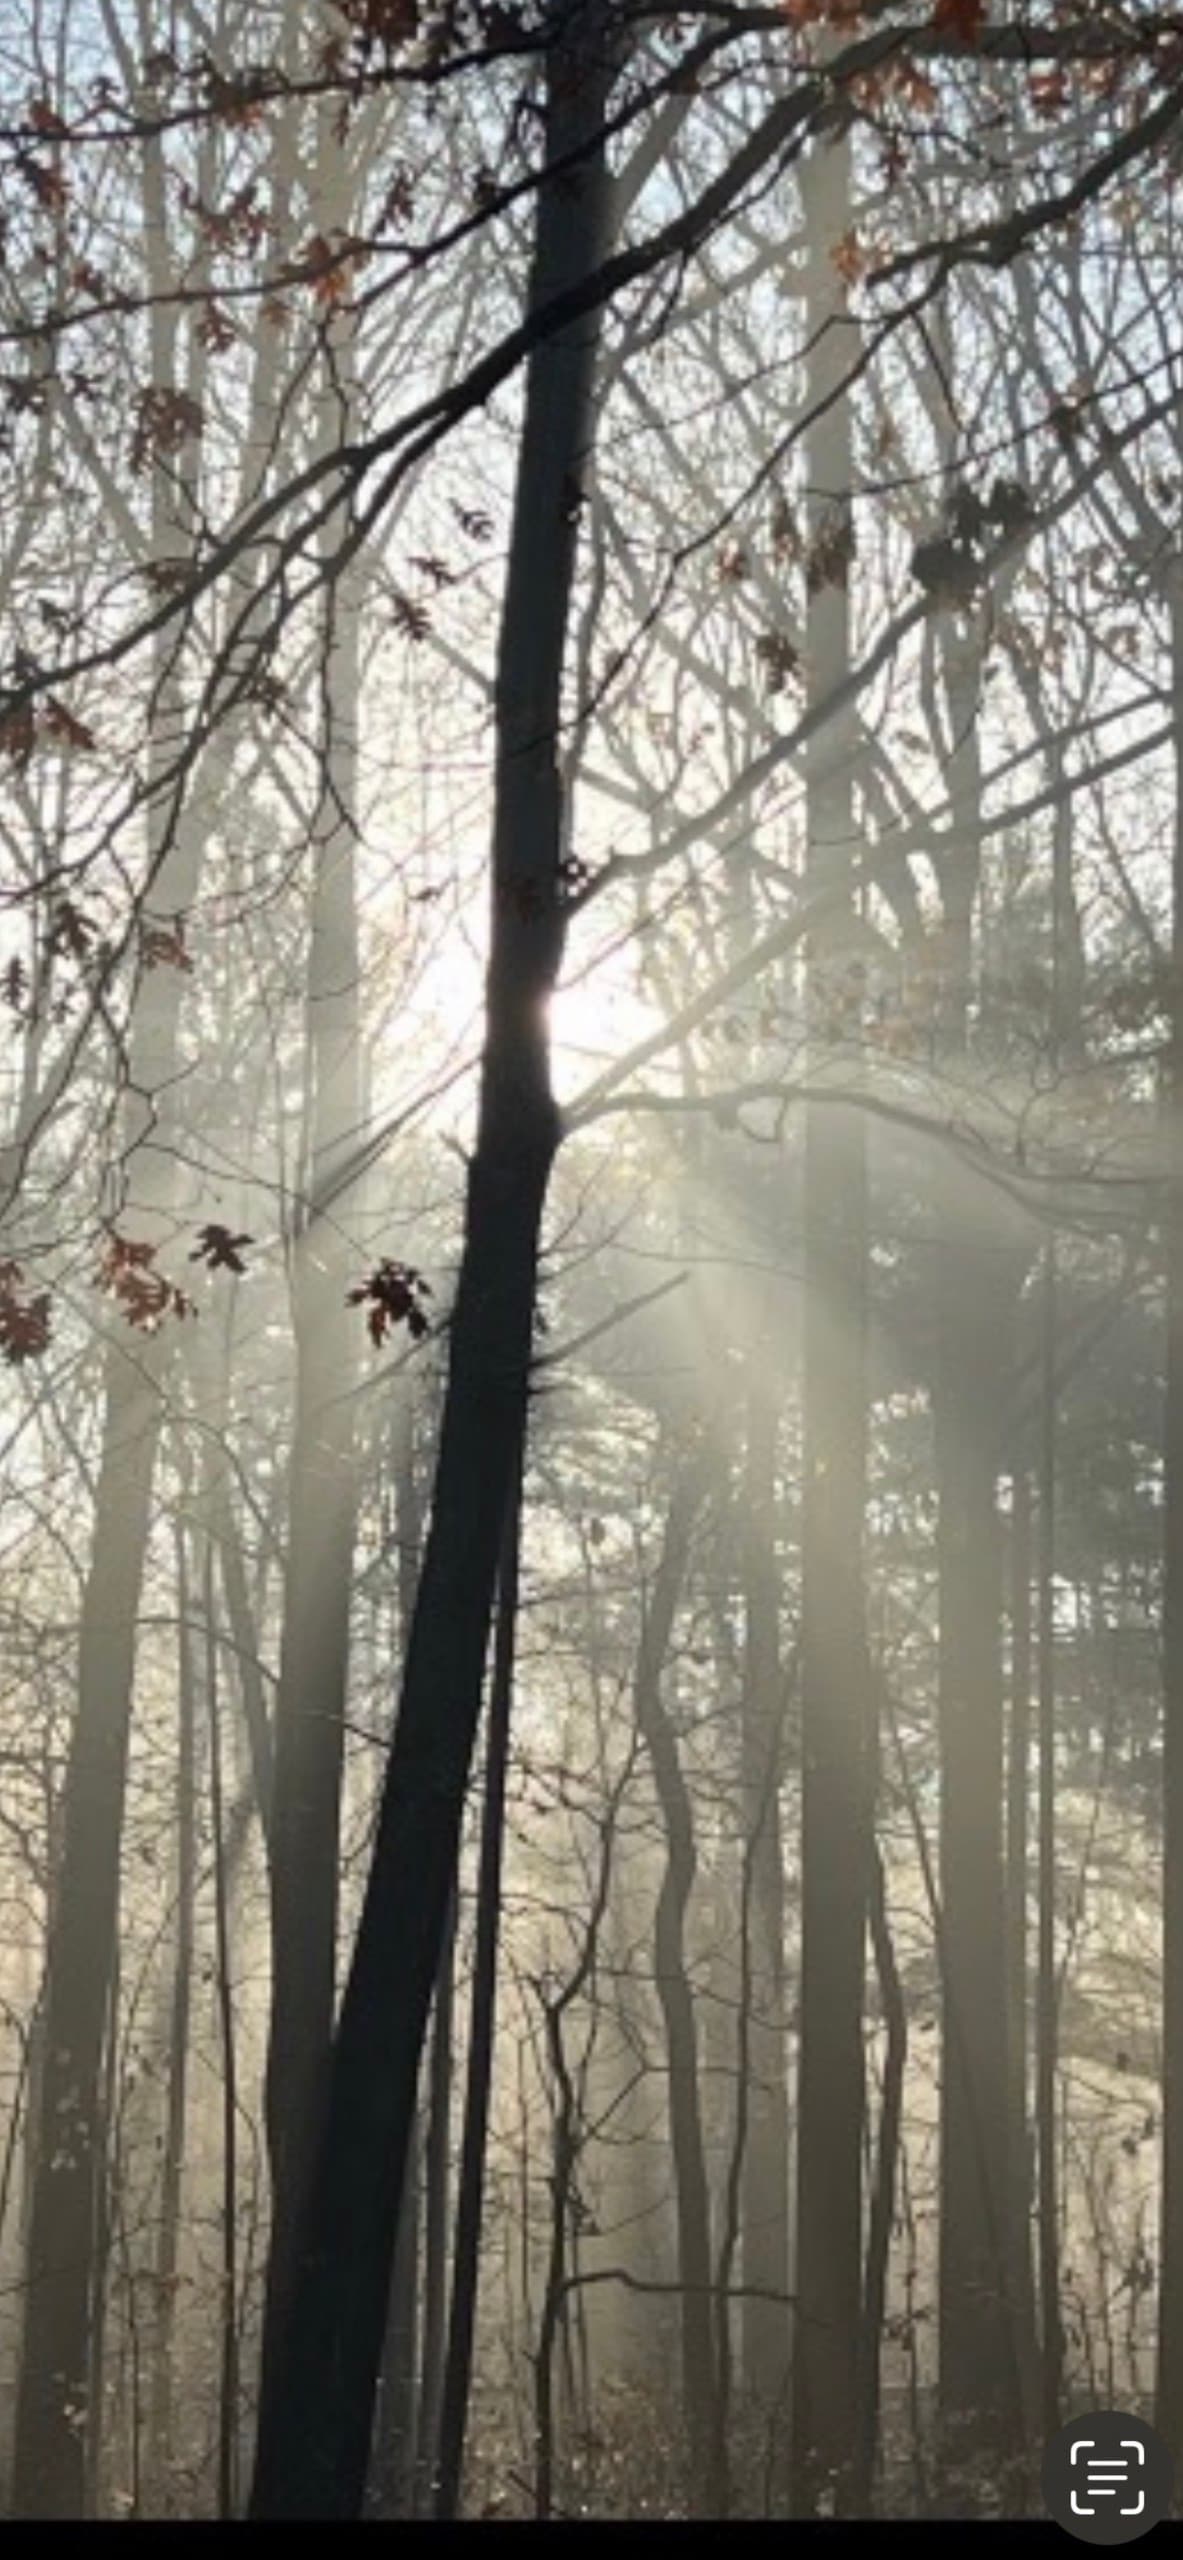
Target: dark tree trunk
392, 2472
470, 2194
883, 2193
317, 2395
392, 2468
437, 2157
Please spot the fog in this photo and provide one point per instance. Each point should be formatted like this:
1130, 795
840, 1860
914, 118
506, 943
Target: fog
591, 1277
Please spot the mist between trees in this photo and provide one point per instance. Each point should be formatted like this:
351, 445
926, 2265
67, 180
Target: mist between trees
591, 1278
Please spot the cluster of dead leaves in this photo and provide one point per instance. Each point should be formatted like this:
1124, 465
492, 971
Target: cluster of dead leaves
25, 1318
394, 1293
375, 27
328, 264
127, 1274
165, 421
24, 728
163, 946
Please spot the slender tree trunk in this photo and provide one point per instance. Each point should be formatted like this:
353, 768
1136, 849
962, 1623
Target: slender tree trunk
309, 1732
676, 1999
765, 2255
836, 1827
1046, 2025
568, 2134
980, 2398
228, 2287
172, 2165
975, 1263
462, 2319
882, 2203
392, 2481
108, 2203
52, 2421
316, 2406
1169, 2396
393, 2468
437, 2157
246, 1660
1018, 1829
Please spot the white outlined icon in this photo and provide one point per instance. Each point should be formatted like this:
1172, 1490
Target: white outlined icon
1108, 2479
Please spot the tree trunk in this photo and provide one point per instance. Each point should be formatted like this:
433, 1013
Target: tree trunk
437, 2154
392, 2471
309, 1732
881, 2215
980, 2399
1169, 2394
765, 2256
1018, 1828
172, 2165
687, 2148
1047, 1988
316, 2405
836, 1827
470, 2196
975, 1262
51, 2456
228, 2271
392, 2468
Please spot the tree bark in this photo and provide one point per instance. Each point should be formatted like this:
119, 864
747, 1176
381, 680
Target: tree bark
765, 2200
470, 2194
975, 1265
1017, 1861
836, 1828
227, 2459
881, 2214
309, 1731
392, 2476
172, 2165
980, 2397
1047, 1988
316, 2405
687, 2147
437, 2154
51, 2456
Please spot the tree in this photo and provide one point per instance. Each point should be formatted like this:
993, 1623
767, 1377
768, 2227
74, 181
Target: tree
836, 1792
317, 2393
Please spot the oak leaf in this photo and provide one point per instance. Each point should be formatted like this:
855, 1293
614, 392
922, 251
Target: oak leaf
394, 1294
219, 1250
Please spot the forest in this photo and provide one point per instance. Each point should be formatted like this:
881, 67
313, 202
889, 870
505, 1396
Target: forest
591, 1254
